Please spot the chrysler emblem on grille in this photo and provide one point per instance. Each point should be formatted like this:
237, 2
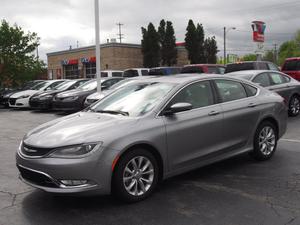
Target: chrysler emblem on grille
29, 150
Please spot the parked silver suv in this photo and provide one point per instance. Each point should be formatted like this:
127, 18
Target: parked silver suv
152, 130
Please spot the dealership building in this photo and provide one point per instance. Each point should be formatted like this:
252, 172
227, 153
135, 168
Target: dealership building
81, 62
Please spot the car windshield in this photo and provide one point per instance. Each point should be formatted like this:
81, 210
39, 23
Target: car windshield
88, 86
243, 76
192, 69
239, 66
121, 84
65, 85
40, 86
134, 100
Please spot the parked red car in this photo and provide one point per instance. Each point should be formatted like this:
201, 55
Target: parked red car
291, 67
203, 68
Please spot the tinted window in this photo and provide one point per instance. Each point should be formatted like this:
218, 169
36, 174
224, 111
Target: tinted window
263, 66
230, 90
212, 69
104, 74
272, 66
276, 78
262, 79
198, 94
239, 66
157, 71
291, 65
192, 69
130, 73
222, 70
117, 74
145, 72
251, 91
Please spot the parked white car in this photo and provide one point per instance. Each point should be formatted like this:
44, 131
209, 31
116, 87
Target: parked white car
111, 73
21, 99
135, 72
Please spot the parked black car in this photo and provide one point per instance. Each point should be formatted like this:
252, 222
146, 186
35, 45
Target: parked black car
7, 92
43, 100
250, 65
163, 71
73, 100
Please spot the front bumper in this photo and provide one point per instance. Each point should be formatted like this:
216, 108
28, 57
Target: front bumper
18, 102
40, 104
47, 173
75, 105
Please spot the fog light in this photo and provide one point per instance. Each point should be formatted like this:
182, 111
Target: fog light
73, 182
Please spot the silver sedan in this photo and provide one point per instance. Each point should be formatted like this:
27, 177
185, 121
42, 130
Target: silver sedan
149, 131
281, 83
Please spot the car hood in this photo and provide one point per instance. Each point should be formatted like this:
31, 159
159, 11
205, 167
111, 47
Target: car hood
98, 96
82, 127
74, 92
21, 93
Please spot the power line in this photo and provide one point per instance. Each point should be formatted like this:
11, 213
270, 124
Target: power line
120, 35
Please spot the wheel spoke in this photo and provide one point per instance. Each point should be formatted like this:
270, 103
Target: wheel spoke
148, 172
146, 166
141, 184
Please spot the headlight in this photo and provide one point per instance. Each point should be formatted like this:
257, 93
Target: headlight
24, 96
46, 97
71, 98
75, 151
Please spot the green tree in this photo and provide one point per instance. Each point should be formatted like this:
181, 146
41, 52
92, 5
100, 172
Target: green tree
168, 43
269, 56
16, 54
210, 50
249, 57
200, 42
150, 46
288, 49
191, 42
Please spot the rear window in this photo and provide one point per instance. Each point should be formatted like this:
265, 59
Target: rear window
291, 65
130, 73
116, 74
157, 72
192, 69
212, 69
145, 72
239, 66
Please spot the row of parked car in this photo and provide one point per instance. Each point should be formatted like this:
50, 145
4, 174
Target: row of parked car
75, 95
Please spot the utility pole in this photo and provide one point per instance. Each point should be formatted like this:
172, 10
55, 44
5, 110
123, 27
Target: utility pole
37, 53
120, 35
225, 46
97, 36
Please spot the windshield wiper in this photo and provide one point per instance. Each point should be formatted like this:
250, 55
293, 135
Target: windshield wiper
115, 112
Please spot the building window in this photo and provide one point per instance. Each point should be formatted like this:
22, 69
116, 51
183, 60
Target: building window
90, 70
71, 71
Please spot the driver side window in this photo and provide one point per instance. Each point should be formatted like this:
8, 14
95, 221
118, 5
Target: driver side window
198, 95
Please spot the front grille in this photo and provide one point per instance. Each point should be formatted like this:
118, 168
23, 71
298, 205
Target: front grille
12, 101
31, 151
36, 177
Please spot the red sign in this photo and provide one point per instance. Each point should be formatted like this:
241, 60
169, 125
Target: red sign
258, 28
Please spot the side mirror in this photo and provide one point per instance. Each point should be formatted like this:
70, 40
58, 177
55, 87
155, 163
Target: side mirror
178, 107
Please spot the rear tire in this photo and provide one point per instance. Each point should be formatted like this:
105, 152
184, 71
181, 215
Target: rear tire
135, 176
265, 141
294, 106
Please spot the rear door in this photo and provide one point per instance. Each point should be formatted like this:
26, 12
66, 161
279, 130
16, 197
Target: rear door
280, 85
241, 111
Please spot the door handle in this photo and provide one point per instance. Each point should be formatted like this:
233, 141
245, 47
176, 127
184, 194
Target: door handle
213, 113
251, 105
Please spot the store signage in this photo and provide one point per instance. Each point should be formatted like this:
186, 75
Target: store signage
258, 28
69, 62
88, 60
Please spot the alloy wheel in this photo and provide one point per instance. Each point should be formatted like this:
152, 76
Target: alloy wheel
138, 176
295, 106
267, 140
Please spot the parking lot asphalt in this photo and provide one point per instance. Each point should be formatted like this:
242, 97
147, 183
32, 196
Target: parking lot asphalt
238, 191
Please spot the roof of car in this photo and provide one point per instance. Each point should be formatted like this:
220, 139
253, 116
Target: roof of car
292, 58
184, 78
203, 65
251, 72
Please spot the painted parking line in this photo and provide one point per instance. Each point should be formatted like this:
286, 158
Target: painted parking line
290, 140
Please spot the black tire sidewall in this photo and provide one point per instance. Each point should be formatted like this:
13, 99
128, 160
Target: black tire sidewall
290, 102
256, 151
118, 188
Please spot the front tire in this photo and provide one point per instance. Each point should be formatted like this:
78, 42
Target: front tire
265, 141
135, 176
294, 106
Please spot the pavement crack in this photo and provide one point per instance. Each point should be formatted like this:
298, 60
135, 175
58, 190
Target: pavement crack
290, 221
13, 198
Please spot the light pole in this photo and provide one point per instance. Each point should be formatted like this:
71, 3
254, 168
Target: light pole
97, 35
225, 33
